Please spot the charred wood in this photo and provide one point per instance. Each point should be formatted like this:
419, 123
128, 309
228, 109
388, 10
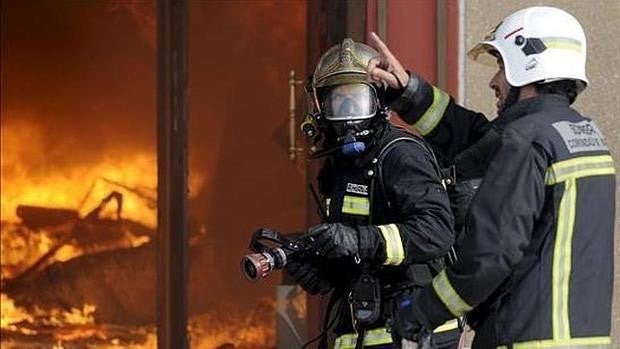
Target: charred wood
120, 284
37, 217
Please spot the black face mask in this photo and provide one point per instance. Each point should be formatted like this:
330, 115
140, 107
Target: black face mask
350, 136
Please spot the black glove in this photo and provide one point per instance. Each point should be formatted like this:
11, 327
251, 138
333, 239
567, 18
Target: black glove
334, 240
308, 276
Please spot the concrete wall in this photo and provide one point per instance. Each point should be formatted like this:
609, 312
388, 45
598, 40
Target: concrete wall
600, 101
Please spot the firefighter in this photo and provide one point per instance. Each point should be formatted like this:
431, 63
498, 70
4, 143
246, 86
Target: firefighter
387, 222
535, 265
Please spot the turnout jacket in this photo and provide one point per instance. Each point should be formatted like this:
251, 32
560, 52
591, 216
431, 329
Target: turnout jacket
535, 267
397, 198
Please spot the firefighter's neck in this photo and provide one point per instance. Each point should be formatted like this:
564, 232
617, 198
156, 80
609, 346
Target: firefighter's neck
527, 91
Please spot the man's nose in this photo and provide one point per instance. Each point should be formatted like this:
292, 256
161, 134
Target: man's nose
348, 107
493, 81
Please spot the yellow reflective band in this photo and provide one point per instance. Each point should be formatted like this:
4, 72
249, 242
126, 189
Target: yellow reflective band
356, 205
583, 166
562, 251
448, 296
327, 202
570, 343
381, 336
562, 44
377, 336
434, 113
447, 326
393, 244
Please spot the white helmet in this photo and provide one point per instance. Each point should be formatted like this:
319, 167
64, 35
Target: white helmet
537, 44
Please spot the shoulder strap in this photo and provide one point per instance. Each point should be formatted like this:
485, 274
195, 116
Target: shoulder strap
438, 264
385, 151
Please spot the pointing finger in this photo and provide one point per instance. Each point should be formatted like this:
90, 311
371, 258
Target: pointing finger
376, 42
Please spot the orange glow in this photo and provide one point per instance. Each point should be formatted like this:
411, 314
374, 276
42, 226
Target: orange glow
56, 317
209, 331
206, 331
27, 178
12, 314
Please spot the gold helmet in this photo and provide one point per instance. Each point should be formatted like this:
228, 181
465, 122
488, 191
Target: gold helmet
343, 64
339, 89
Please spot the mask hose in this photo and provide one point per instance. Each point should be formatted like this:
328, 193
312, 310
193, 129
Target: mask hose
351, 146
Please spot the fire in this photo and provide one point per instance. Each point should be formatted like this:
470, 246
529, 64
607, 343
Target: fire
233, 327
28, 178
75, 316
12, 314
206, 331
31, 176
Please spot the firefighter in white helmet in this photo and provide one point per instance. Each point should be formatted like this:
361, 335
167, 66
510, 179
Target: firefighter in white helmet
535, 267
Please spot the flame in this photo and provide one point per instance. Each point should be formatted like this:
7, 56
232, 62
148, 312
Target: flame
12, 314
28, 179
209, 331
32, 175
58, 318
206, 331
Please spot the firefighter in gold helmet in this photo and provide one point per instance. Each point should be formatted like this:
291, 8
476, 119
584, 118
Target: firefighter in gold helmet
387, 222
535, 267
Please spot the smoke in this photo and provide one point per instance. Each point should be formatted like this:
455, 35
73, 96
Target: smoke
81, 75
142, 12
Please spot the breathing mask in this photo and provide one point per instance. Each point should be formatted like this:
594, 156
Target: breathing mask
342, 105
347, 111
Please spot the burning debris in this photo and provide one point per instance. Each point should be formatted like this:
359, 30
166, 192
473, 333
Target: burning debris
74, 280
77, 262
40, 304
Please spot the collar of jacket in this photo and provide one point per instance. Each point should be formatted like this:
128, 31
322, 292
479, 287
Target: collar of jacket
530, 106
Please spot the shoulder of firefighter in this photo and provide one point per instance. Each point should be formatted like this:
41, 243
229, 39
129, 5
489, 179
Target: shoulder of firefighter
536, 267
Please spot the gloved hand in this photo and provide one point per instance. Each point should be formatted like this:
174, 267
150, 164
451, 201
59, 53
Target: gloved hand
408, 322
308, 276
334, 240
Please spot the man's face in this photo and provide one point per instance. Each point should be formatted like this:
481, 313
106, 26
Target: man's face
499, 84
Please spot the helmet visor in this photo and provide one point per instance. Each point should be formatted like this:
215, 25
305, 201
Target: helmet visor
350, 102
483, 53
